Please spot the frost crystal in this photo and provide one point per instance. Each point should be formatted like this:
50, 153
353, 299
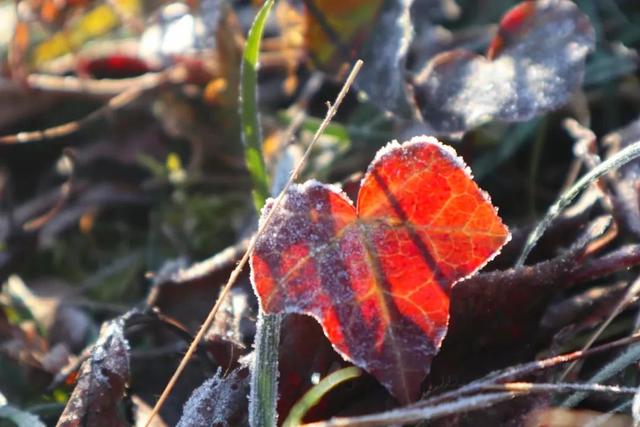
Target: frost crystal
538, 64
218, 401
377, 277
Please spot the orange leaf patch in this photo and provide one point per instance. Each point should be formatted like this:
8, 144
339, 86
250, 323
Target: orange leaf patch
378, 276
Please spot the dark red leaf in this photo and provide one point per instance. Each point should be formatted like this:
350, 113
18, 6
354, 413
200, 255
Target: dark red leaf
533, 65
378, 277
495, 316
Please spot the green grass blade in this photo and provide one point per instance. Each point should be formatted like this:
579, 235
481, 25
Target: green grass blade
313, 395
249, 116
264, 377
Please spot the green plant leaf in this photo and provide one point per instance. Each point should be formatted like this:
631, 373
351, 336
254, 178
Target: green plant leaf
249, 116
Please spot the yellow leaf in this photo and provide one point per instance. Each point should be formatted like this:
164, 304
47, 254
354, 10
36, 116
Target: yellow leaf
95, 23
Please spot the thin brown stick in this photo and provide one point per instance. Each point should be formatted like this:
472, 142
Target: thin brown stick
467, 398
625, 257
89, 86
525, 369
412, 415
171, 75
65, 194
527, 387
236, 272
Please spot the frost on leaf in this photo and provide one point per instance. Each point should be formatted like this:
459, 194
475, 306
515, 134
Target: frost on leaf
533, 65
218, 401
378, 31
378, 276
102, 381
385, 53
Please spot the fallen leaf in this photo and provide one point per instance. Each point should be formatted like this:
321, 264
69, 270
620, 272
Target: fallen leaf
50, 302
102, 382
378, 277
533, 65
335, 30
379, 32
385, 53
508, 304
114, 66
218, 401
94, 23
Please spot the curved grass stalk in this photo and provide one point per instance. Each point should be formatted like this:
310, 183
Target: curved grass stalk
313, 395
621, 158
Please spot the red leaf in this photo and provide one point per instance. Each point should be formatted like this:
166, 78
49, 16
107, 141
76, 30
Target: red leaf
378, 277
512, 22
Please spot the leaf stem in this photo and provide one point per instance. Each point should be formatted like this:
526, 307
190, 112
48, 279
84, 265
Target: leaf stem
263, 397
262, 402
